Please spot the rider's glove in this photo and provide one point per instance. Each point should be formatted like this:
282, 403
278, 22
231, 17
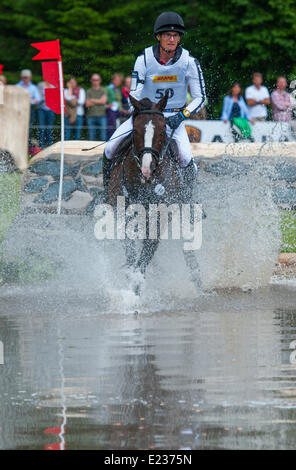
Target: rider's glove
175, 121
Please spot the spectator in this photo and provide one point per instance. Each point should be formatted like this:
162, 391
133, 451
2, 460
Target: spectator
257, 97
281, 101
46, 117
74, 101
293, 106
125, 112
26, 83
236, 111
96, 98
2, 83
125, 92
114, 104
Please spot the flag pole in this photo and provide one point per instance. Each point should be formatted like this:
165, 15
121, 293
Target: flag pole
62, 135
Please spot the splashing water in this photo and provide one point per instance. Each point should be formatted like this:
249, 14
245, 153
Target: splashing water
241, 241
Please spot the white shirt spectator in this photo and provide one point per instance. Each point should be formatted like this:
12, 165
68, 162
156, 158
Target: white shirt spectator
257, 94
80, 101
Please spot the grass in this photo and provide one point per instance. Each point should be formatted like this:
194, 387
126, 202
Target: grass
10, 187
288, 228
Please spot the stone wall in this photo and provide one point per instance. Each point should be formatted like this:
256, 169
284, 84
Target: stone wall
82, 184
83, 179
14, 123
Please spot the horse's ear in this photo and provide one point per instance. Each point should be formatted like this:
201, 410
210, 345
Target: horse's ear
134, 102
163, 101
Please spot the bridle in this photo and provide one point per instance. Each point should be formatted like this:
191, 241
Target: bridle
155, 153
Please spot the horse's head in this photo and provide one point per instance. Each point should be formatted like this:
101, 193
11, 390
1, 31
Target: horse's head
149, 133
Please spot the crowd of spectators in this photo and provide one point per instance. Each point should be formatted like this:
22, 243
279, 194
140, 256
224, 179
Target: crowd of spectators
100, 109
241, 112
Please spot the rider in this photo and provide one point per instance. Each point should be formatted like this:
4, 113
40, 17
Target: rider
163, 67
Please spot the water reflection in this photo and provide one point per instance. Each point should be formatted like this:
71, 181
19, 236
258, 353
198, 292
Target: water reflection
218, 376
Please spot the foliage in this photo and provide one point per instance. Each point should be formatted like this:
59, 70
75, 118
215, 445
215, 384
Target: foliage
231, 39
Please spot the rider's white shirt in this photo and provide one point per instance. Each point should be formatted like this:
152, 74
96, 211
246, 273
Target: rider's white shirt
175, 76
188, 72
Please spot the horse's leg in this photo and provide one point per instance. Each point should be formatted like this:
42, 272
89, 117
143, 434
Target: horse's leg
130, 252
147, 253
193, 267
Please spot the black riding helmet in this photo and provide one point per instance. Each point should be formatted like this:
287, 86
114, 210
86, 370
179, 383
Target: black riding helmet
169, 21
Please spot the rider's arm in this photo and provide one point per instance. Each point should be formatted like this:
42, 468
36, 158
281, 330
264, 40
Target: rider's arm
140, 68
198, 93
197, 86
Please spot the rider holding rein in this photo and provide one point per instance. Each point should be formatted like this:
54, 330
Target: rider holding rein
166, 68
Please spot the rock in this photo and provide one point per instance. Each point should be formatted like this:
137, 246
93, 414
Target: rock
75, 169
7, 164
227, 167
286, 172
93, 169
91, 180
36, 185
96, 191
52, 192
50, 167
99, 196
78, 201
79, 185
285, 195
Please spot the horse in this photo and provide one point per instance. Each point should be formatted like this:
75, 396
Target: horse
146, 170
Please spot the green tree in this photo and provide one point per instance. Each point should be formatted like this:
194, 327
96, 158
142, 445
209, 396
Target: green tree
231, 39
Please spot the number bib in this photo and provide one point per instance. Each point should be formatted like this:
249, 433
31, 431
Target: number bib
160, 78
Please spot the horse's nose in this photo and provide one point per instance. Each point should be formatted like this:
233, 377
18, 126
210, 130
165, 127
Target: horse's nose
146, 172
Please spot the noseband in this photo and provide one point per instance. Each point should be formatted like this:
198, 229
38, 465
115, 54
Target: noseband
156, 154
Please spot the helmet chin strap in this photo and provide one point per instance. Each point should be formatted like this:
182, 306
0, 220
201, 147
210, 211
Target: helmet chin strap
166, 50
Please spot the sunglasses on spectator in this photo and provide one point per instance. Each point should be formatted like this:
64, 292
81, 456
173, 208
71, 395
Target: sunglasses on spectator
95, 79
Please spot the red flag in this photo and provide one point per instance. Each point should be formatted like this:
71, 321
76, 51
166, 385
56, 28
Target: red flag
52, 99
50, 72
55, 446
55, 430
48, 50
1, 68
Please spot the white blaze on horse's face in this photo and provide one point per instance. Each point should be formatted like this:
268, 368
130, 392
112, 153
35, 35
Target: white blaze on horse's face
147, 157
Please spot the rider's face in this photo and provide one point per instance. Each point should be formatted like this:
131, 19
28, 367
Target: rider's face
169, 40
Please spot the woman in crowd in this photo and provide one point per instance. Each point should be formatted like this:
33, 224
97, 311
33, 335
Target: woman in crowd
236, 112
74, 99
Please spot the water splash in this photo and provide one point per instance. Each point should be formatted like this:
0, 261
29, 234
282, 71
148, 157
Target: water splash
241, 241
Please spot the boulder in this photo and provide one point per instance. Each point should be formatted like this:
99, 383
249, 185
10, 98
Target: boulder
52, 192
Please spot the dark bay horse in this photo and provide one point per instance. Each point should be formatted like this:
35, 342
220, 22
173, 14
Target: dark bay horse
146, 171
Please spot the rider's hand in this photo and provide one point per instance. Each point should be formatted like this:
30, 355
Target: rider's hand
175, 121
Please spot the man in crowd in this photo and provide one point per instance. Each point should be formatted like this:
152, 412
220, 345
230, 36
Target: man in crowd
96, 98
2, 80
281, 101
114, 103
26, 83
46, 117
257, 98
